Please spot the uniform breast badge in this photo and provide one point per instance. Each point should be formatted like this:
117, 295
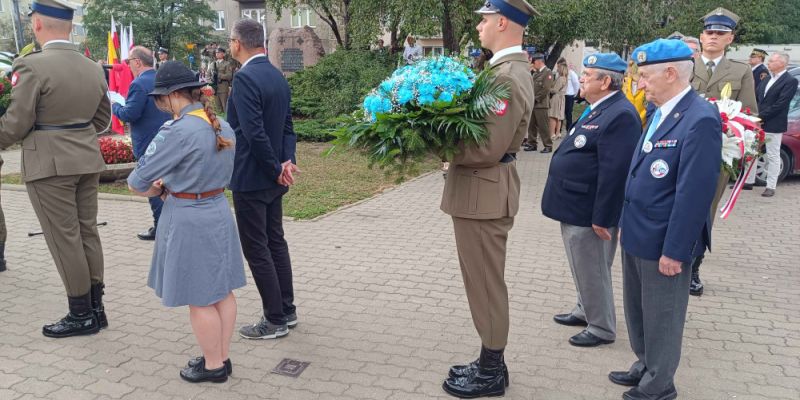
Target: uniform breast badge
659, 169
647, 147
580, 141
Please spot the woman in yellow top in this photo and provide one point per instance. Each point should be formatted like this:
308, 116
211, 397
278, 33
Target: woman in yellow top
635, 96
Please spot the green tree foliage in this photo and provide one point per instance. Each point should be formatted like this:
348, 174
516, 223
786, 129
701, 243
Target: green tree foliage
156, 23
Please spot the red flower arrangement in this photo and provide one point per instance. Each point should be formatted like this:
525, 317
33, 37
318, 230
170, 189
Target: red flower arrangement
5, 94
115, 151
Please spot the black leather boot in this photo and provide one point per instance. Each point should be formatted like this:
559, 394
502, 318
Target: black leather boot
472, 368
97, 304
80, 320
696, 286
487, 381
2, 257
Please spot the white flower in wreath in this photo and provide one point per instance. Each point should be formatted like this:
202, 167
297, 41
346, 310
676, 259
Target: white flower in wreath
730, 149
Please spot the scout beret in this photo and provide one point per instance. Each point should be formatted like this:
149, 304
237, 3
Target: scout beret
720, 19
661, 51
608, 61
518, 11
173, 75
53, 8
759, 53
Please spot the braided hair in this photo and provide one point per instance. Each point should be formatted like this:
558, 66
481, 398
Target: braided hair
197, 95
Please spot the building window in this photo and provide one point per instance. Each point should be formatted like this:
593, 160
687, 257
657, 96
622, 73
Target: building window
78, 10
303, 16
255, 13
219, 24
78, 30
433, 51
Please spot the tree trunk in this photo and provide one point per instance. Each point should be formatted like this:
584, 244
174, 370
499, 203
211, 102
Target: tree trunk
346, 23
329, 19
448, 36
555, 53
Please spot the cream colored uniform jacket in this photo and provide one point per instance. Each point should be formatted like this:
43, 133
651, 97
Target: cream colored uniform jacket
478, 185
57, 86
738, 74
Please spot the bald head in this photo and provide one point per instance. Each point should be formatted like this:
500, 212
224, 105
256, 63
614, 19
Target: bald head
143, 54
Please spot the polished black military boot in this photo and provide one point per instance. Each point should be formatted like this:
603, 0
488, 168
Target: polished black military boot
97, 304
487, 381
696, 286
2, 257
80, 320
472, 368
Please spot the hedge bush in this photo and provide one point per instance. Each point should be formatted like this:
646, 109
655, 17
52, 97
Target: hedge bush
338, 83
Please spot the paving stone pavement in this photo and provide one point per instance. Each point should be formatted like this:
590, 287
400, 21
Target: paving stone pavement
383, 313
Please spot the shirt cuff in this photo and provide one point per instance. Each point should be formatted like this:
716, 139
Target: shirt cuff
137, 183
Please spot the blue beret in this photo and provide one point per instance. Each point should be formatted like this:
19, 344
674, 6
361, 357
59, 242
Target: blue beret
52, 8
607, 61
661, 51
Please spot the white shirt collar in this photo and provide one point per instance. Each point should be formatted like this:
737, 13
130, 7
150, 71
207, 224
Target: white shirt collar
778, 75
56, 41
716, 60
502, 53
597, 103
667, 107
252, 58
754, 68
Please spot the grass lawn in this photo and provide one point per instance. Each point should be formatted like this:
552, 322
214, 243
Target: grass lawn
325, 184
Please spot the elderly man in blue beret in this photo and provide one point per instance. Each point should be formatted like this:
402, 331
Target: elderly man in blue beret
584, 192
665, 221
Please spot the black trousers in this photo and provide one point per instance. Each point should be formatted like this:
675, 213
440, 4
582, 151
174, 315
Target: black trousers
568, 103
259, 216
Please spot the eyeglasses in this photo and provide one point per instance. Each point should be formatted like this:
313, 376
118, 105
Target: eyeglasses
128, 61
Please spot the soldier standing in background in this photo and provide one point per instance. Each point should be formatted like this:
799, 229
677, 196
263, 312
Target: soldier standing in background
540, 122
56, 112
712, 71
224, 76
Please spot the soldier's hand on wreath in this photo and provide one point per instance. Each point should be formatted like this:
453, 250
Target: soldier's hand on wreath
601, 232
668, 266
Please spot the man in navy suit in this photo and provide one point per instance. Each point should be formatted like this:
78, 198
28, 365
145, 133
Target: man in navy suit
665, 219
774, 95
756, 61
145, 118
584, 192
259, 112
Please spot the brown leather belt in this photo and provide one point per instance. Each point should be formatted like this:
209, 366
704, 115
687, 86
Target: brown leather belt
198, 196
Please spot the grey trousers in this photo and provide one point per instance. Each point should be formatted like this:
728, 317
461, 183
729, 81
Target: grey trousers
655, 310
590, 260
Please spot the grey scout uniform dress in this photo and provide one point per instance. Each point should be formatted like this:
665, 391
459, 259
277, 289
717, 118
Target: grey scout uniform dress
197, 259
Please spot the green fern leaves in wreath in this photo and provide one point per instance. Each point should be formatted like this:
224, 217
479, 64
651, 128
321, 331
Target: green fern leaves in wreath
397, 140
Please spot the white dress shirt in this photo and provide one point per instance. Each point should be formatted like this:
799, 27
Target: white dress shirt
716, 62
502, 53
772, 80
573, 84
253, 58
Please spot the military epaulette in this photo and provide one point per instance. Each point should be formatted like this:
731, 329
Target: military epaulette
31, 53
740, 62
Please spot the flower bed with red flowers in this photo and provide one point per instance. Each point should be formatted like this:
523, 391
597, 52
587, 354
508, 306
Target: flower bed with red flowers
116, 151
5, 94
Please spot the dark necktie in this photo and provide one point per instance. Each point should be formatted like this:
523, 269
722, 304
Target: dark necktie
710, 65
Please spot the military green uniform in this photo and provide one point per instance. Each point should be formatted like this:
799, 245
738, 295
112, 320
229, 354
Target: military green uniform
56, 112
481, 193
224, 78
738, 74
540, 123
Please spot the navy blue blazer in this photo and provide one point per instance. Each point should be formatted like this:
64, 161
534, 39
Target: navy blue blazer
586, 182
773, 108
761, 70
670, 189
259, 111
141, 112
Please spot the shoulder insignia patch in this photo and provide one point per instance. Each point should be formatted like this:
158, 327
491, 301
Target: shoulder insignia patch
763, 75
500, 108
14, 79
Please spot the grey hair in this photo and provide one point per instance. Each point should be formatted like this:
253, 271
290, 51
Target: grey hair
616, 78
685, 69
249, 33
143, 54
783, 55
692, 39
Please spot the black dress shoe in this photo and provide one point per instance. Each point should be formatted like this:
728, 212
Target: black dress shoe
79, 321
638, 394
547, 150
587, 339
528, 147
149, 234
696, 285
199, 373
97, 304
472, 368
569, 320
623, 378
197, 360
487, 381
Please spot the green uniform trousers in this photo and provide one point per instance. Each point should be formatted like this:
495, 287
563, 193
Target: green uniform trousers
223, 90
66, 207
540, 126
481, 245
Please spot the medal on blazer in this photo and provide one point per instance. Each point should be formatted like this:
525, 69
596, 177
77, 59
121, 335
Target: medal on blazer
659, 169
648, 146
580, 141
